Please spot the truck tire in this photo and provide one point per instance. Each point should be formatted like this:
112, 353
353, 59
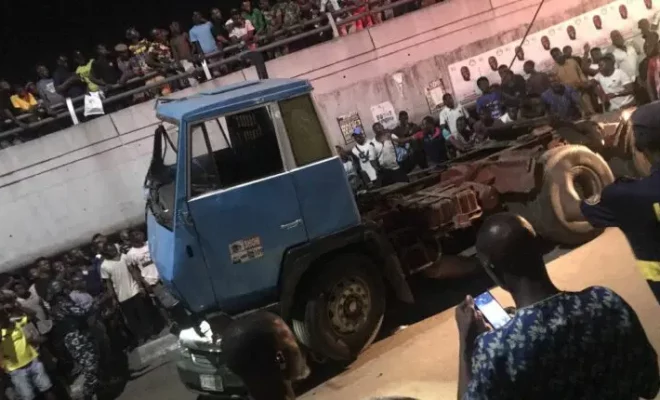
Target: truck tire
343, 308
571, 174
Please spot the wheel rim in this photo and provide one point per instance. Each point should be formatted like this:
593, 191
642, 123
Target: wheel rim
584, 183
349, 305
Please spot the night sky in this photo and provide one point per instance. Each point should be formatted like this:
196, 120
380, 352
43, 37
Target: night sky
38, 31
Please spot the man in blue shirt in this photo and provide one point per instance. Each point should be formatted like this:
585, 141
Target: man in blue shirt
558, 345
202, 33
634, 205
490, 100
561, 101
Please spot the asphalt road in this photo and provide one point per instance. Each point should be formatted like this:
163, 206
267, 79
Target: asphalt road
160, 381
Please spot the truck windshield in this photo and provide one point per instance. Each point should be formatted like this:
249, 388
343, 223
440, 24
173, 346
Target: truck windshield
224, 152
232, 150
235, 149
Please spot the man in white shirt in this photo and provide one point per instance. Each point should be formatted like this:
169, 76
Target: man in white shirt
123, 281
616, 85
139, 257
451, 112
239, 28
626, 56
366, 154
384, 147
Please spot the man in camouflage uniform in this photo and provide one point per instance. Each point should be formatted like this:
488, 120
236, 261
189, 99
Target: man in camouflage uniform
287, 14
269, 16
70, 326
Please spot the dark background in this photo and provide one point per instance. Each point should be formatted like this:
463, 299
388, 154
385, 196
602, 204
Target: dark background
38, 31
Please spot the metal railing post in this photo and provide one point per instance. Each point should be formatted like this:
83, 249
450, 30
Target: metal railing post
333, 25
207, 72
72, 111
257, 60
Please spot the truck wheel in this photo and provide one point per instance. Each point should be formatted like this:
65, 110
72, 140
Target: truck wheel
343, 309
571, 175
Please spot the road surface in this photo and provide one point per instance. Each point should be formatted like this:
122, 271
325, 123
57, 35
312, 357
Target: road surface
421, 361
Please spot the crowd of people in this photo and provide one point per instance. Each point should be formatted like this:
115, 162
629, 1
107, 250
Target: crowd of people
601, 80
164, 53
80, 314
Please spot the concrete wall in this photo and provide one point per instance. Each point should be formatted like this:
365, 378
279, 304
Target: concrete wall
55, 192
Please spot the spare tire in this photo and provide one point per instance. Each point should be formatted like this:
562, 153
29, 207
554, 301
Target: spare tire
570, 175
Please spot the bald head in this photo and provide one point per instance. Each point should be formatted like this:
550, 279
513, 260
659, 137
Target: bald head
509, 244
617, 38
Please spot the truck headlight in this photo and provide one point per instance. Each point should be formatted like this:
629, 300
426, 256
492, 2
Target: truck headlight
190, 339
185, 352
625, 115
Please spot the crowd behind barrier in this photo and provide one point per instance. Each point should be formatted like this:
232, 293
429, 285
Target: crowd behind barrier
114, 285
156, 68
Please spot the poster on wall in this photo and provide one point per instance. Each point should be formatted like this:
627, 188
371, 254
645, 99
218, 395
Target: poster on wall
385, 114
593, 27
347, 123
434, 93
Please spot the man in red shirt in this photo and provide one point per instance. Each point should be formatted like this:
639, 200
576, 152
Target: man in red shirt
653, 66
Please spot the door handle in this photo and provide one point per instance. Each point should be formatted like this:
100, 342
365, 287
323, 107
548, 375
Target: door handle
291, 224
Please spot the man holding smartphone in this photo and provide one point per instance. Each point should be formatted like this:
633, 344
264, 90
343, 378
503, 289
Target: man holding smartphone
588, 344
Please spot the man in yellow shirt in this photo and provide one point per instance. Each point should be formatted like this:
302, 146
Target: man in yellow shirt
21, 361
84, 71
570, 74
22, 100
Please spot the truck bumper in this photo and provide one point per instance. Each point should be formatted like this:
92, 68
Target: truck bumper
210, 380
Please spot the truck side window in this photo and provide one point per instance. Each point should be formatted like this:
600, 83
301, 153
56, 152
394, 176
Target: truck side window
308, 142
246, 151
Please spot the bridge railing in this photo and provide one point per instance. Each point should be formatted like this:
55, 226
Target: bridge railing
230, 55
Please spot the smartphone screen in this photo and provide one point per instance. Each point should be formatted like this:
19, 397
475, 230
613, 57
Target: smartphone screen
491, 309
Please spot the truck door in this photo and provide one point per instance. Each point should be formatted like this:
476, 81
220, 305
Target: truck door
243, 205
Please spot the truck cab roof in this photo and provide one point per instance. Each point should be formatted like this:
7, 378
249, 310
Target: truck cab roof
228, 99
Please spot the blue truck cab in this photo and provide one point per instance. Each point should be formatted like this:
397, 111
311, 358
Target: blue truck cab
248, 209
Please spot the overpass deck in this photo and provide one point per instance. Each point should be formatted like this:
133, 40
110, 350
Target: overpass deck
422, 361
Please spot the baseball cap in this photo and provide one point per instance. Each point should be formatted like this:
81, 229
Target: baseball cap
358, 131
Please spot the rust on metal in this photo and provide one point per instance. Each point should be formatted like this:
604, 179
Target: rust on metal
443, 206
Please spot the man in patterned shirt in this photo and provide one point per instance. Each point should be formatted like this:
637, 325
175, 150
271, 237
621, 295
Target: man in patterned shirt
558, 345
287, 12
